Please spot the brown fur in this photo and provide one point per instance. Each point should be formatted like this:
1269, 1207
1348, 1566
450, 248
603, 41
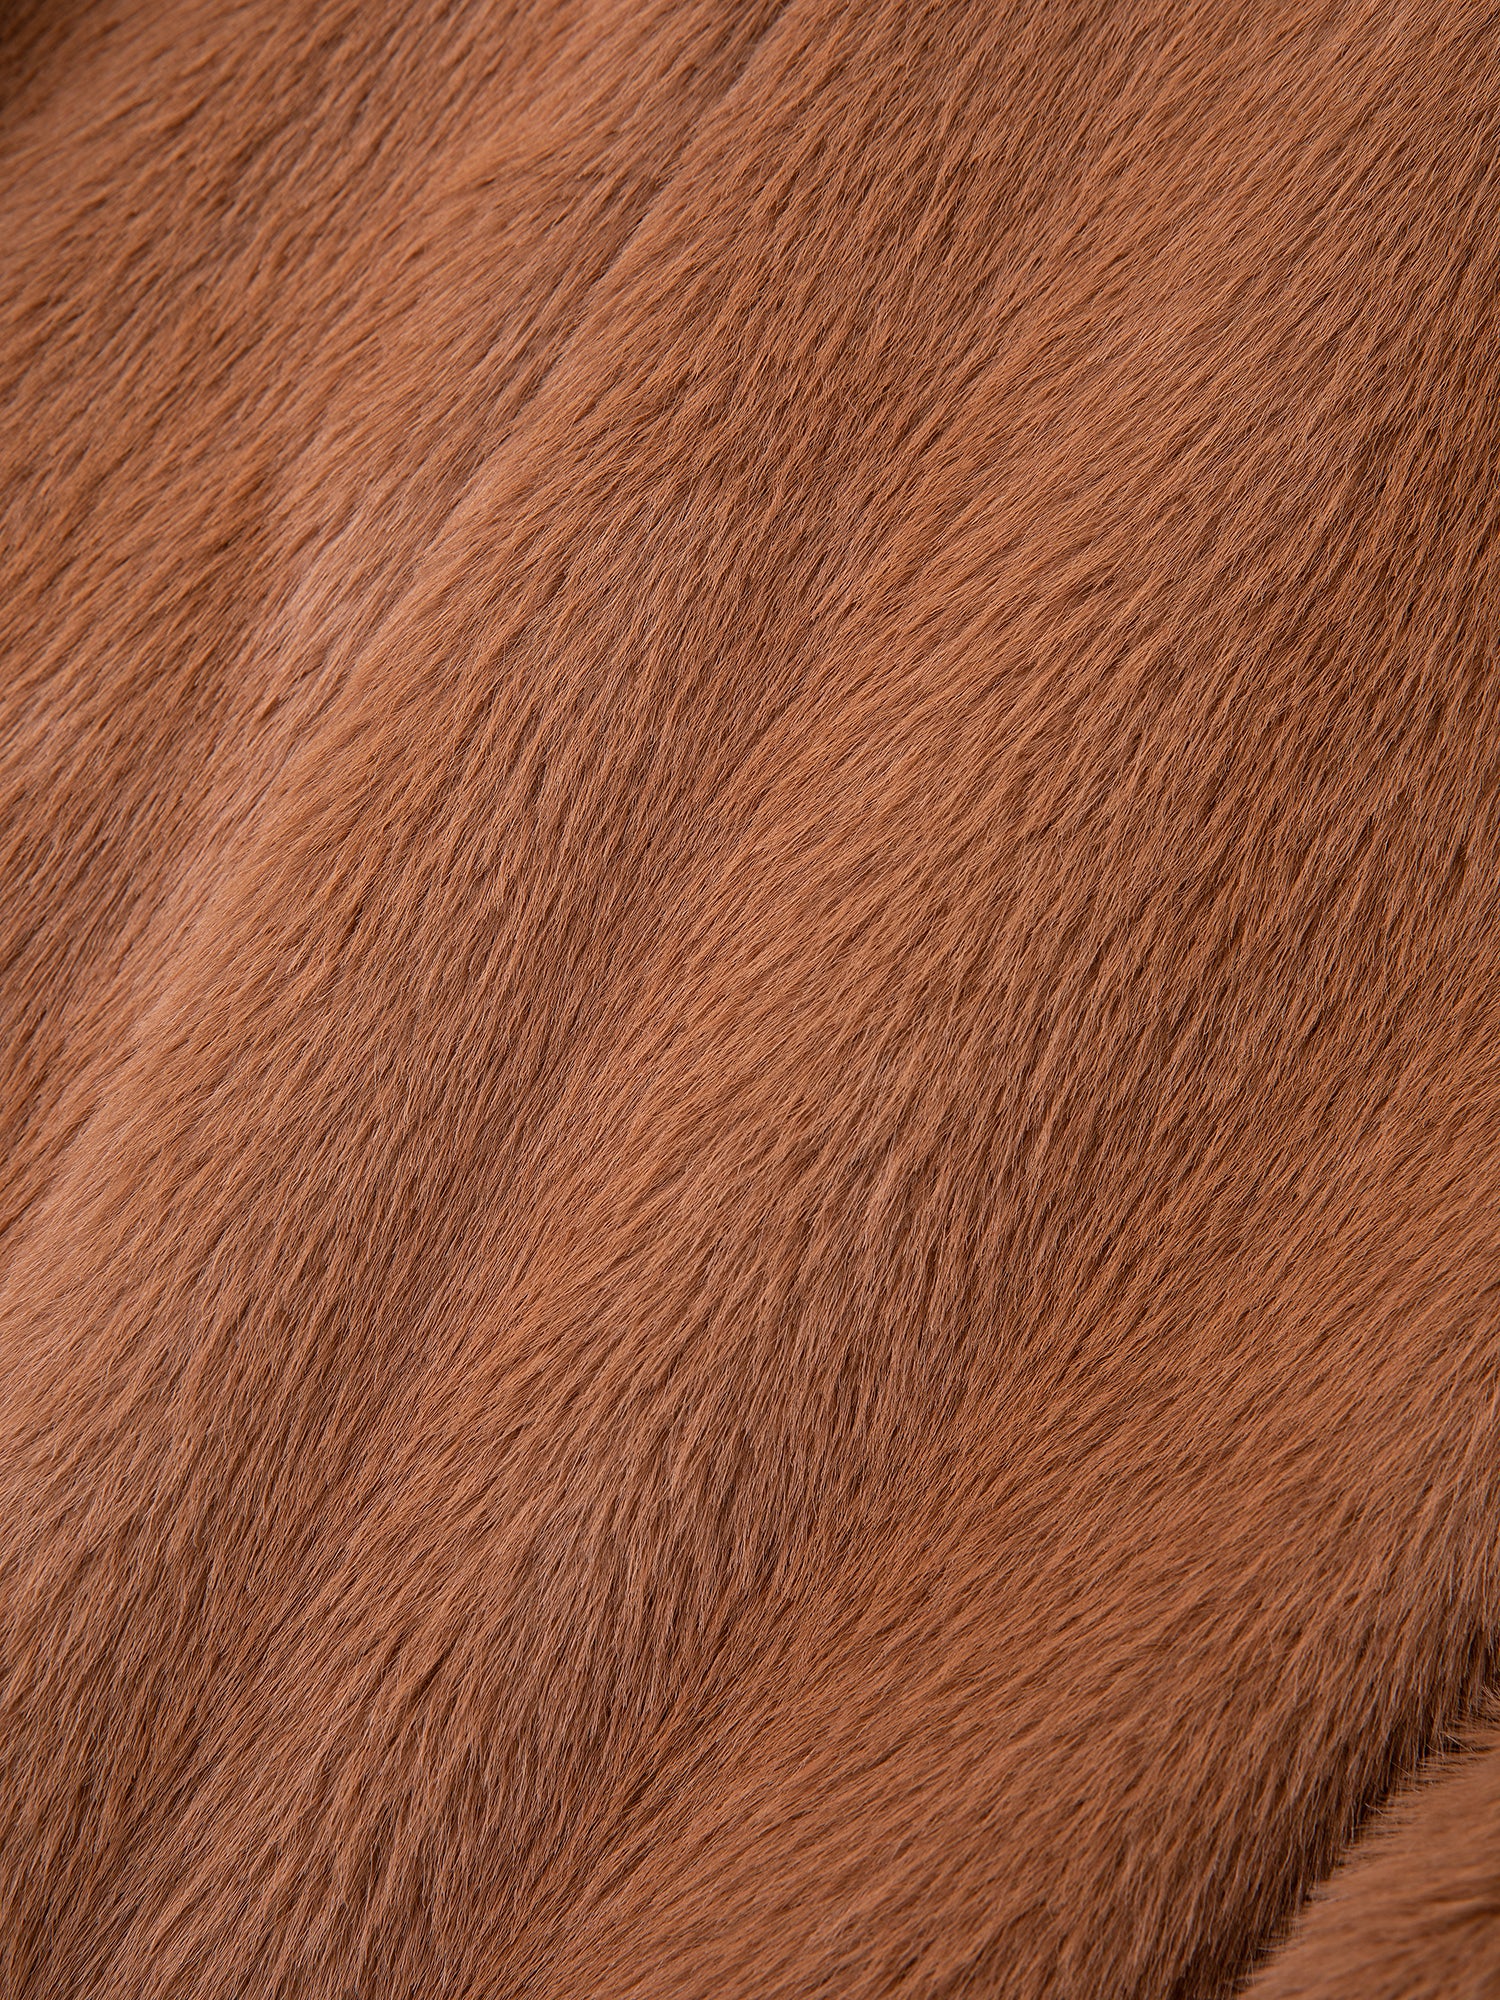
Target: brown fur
750, 1020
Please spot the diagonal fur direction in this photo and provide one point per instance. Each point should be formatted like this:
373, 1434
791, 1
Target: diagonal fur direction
750, 1023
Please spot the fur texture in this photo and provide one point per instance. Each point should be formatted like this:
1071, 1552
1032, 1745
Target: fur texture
750, 1026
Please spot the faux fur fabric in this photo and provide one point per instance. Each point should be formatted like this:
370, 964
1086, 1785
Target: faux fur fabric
749, 999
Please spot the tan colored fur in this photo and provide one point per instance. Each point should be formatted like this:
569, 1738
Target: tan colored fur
749, 999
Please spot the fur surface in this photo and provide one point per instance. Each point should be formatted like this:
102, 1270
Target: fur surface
751, 999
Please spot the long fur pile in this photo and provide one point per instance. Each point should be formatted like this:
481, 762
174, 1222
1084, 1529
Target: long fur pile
749, 999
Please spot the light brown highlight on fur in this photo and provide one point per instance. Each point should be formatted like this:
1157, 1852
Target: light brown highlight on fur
749, 1000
